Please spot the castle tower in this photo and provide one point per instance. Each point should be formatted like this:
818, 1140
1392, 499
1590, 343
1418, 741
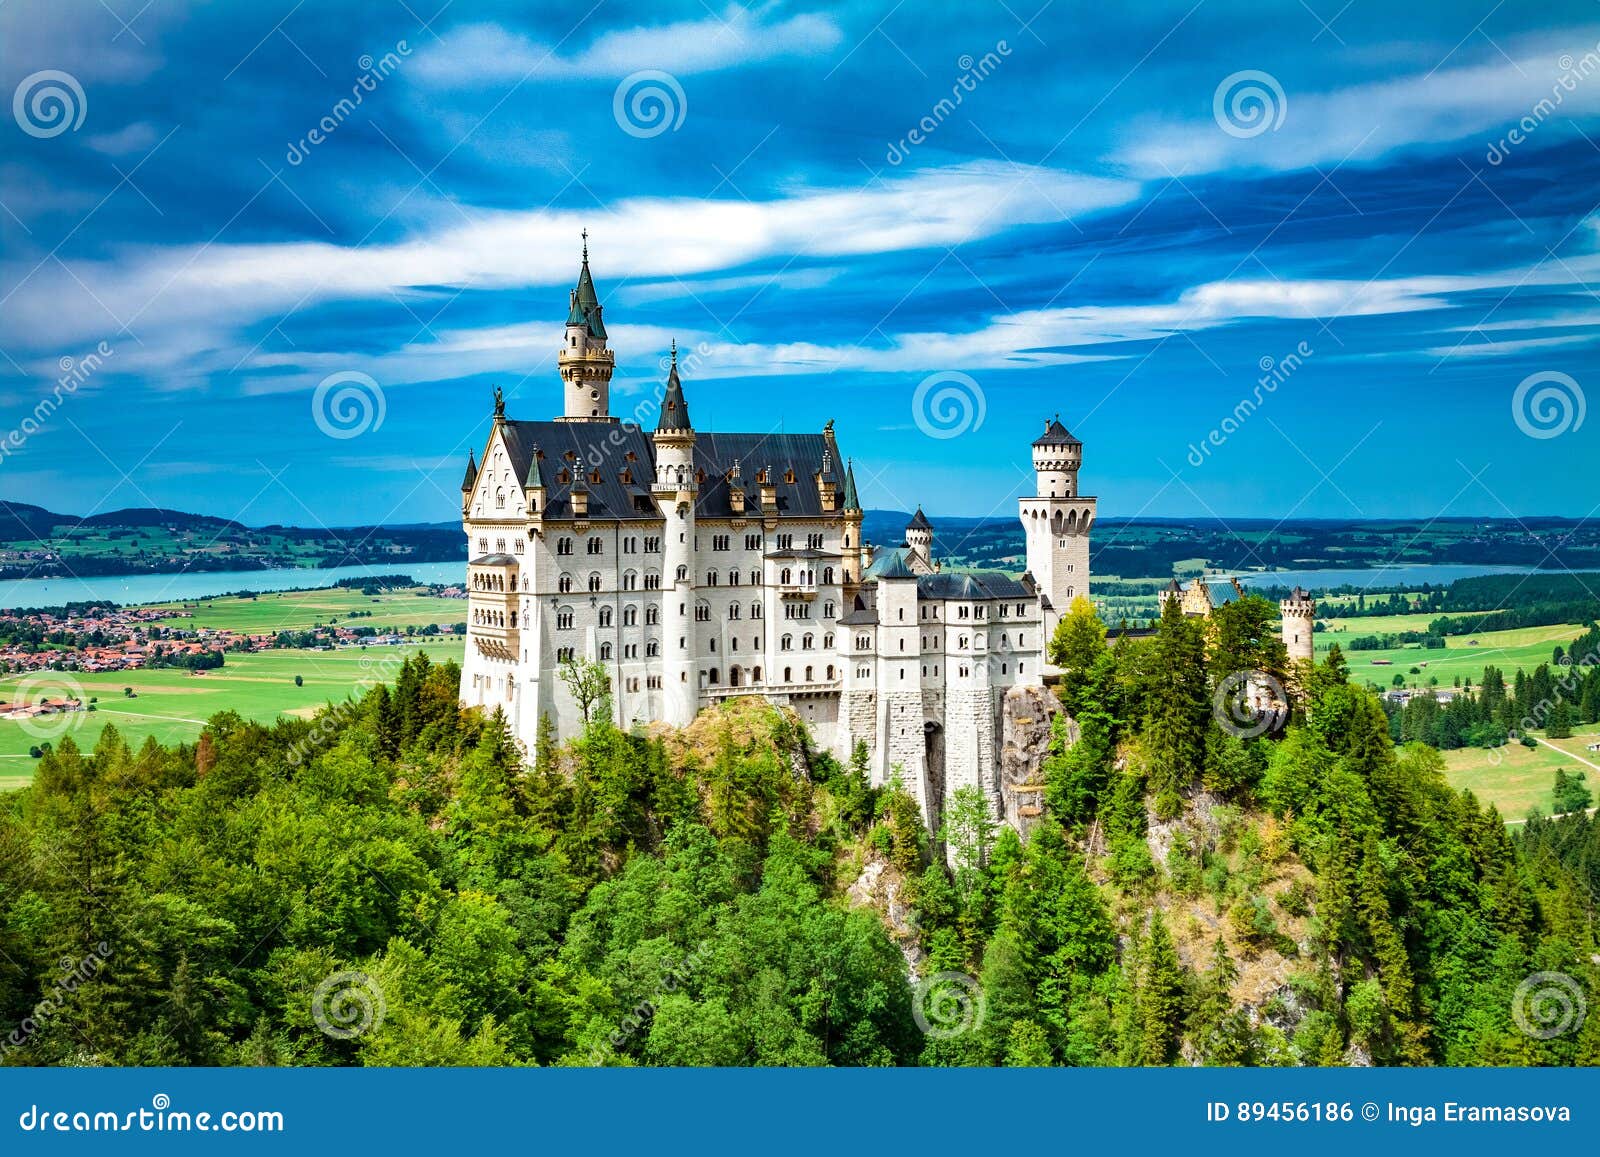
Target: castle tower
675, 490
856, 556
1057, 521
1299, 612
584, 361
919, 543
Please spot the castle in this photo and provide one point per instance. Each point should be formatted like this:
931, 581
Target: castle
1298, 612
695, 566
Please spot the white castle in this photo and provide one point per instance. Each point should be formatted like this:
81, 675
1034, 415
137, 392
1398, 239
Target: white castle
696, 566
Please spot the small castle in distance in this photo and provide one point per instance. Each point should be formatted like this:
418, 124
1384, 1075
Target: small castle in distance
1298, 611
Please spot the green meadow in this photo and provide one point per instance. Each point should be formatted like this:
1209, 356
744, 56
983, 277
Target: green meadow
1517, 779
301, 610
1462, 655
172, 704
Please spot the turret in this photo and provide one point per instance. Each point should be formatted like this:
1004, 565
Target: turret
585, 361
919, 542
467, 483
675, 491
1057, 456
1299, 613
1056, 522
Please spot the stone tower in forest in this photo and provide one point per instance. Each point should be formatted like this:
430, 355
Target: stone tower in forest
1299, 612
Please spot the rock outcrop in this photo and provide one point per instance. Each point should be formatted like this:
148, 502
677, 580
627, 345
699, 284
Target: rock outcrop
1025, 724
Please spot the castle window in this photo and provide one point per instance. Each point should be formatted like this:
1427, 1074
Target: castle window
683, 573
788, 674
483, 546
563, 546
755, 578
827, 576
652, 545
564, 654
499, 546
785, 542
827, 610
564, 584
652, 581
733, 610
830, 672
752, 542
630, 651
605, 651
827, 642
652, 648
806, 641
594, 582
719, 542
652, 615
518, 544
786, 577
630, 615
630, 580
1021, 642
809, 676
713, 677
500, 499
630, 545
814, 541
564, 620
755, 610
605, 616
786, 643
702, 613
711, 578
596, 544
1019, 668
733, 577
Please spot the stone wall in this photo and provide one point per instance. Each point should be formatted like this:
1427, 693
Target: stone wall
1026, 715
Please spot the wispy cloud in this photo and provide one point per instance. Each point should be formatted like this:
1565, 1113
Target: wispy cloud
487, 54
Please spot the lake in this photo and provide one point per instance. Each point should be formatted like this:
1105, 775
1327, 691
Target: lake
129, 590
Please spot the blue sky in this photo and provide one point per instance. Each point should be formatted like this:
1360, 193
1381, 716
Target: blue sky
1097, 229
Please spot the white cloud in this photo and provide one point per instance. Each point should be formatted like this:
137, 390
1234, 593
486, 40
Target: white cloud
134, 138
1550, 79
213, 287
476, 54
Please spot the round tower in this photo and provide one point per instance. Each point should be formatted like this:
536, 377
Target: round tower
919, 541
1057, 457
675, 491
585, 362
1299, 612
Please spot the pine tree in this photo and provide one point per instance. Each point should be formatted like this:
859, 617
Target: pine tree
1178, 709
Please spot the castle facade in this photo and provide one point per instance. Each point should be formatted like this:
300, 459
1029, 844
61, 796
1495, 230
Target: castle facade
695, 566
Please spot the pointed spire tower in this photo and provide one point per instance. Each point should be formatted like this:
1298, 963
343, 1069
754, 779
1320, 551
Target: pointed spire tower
585, 361
676, 491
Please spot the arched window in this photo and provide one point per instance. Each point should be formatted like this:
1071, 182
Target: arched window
806, 641
786, 643
605, 651
785, 577
652, 616
713, 678
594, 582
500, 498
605, 616
652, 648
630, 615
808, 674
788, 674
827, 575
630, 580
683, 573
564, 584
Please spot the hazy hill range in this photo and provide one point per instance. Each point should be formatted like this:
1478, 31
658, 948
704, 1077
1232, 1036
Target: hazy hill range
40, 543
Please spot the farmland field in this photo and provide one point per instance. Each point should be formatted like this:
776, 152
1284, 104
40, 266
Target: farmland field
1516, 778
172, 704
1463, 655
301, 610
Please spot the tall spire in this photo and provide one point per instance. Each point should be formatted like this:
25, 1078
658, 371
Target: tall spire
585, 302
674, 407
471, 478
851, 500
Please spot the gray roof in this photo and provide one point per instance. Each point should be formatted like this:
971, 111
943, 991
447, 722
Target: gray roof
919, 521
894, 567
975, 586
1055, 434
494, 560
715, 454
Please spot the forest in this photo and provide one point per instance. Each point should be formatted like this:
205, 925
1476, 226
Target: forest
392, 884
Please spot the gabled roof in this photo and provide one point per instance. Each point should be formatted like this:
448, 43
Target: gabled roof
975, 586
919, 521
892, 566
1055, 434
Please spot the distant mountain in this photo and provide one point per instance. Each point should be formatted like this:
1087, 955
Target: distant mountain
140, 516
